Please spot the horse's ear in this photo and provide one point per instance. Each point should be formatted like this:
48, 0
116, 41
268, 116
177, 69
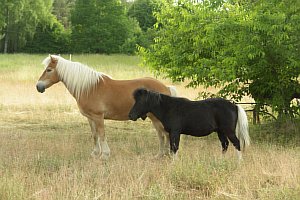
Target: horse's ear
53, 59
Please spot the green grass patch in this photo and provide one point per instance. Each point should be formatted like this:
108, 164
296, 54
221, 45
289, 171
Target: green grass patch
286, 133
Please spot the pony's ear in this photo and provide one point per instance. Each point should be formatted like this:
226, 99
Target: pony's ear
139, 92
53, 59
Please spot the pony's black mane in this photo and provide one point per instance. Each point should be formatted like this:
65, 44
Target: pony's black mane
152, 98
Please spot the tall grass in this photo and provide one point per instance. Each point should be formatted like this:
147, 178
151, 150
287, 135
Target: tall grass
45, 148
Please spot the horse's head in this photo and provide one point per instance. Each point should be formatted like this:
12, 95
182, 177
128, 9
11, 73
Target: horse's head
49, 76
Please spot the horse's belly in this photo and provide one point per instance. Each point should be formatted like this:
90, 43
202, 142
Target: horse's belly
116, 116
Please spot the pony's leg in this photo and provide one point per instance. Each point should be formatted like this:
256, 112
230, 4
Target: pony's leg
174, 142
236, 143
224, 142
97, 148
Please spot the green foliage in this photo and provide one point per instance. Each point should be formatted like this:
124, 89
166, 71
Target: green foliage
50, 35
142, 11
99, 26
233, 46
133, 37
18, 21
62, 11
50, 39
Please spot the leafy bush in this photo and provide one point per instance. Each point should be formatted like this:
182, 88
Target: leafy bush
52, 38
245, 48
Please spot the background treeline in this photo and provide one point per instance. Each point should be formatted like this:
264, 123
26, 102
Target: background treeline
75, 26
242, 47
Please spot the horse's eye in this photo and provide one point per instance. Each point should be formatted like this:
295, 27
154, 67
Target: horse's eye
48, 70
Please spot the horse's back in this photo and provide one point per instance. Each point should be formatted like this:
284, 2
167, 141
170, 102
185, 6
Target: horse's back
117, 95
152, 84
146, 82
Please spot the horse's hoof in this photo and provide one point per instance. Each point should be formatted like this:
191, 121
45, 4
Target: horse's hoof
104, 156
95, 154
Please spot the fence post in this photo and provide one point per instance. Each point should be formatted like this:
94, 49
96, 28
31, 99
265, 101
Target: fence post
254, 116
256, 119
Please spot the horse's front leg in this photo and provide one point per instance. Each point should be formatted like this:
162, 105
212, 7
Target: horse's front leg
97, 148
101, 145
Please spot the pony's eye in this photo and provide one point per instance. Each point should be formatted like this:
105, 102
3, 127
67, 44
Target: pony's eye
48, 70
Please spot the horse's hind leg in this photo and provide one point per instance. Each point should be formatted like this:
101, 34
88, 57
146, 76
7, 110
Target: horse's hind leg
163, 136
224, 142
164, 140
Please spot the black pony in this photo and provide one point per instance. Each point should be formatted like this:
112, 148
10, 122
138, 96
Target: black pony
196, 118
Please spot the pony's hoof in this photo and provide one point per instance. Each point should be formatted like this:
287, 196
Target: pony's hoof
161, 155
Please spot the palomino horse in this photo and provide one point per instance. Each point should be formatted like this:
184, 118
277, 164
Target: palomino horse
100, 97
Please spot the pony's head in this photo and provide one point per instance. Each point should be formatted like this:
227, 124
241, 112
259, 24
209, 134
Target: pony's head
145, 100
50, 74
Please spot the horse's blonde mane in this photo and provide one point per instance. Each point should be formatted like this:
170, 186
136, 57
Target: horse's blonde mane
78, 78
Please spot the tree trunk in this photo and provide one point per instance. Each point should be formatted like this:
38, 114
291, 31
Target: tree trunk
7, 30
5, 43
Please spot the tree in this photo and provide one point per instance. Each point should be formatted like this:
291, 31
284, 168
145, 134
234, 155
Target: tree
49, 38
18, 21
99, 26
143, 12
232, 45
62, 11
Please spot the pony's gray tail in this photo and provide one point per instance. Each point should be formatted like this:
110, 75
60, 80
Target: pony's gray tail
242, 128
173, 90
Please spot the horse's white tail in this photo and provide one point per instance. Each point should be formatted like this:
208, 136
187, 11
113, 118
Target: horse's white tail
173, 90
242, 128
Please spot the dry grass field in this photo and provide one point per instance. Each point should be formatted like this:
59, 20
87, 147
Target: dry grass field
45, 147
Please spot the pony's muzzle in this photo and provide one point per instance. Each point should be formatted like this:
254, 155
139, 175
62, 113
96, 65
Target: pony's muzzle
40, 86
132, 117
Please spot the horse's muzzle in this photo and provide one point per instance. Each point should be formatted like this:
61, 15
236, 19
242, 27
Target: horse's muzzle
40, 87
